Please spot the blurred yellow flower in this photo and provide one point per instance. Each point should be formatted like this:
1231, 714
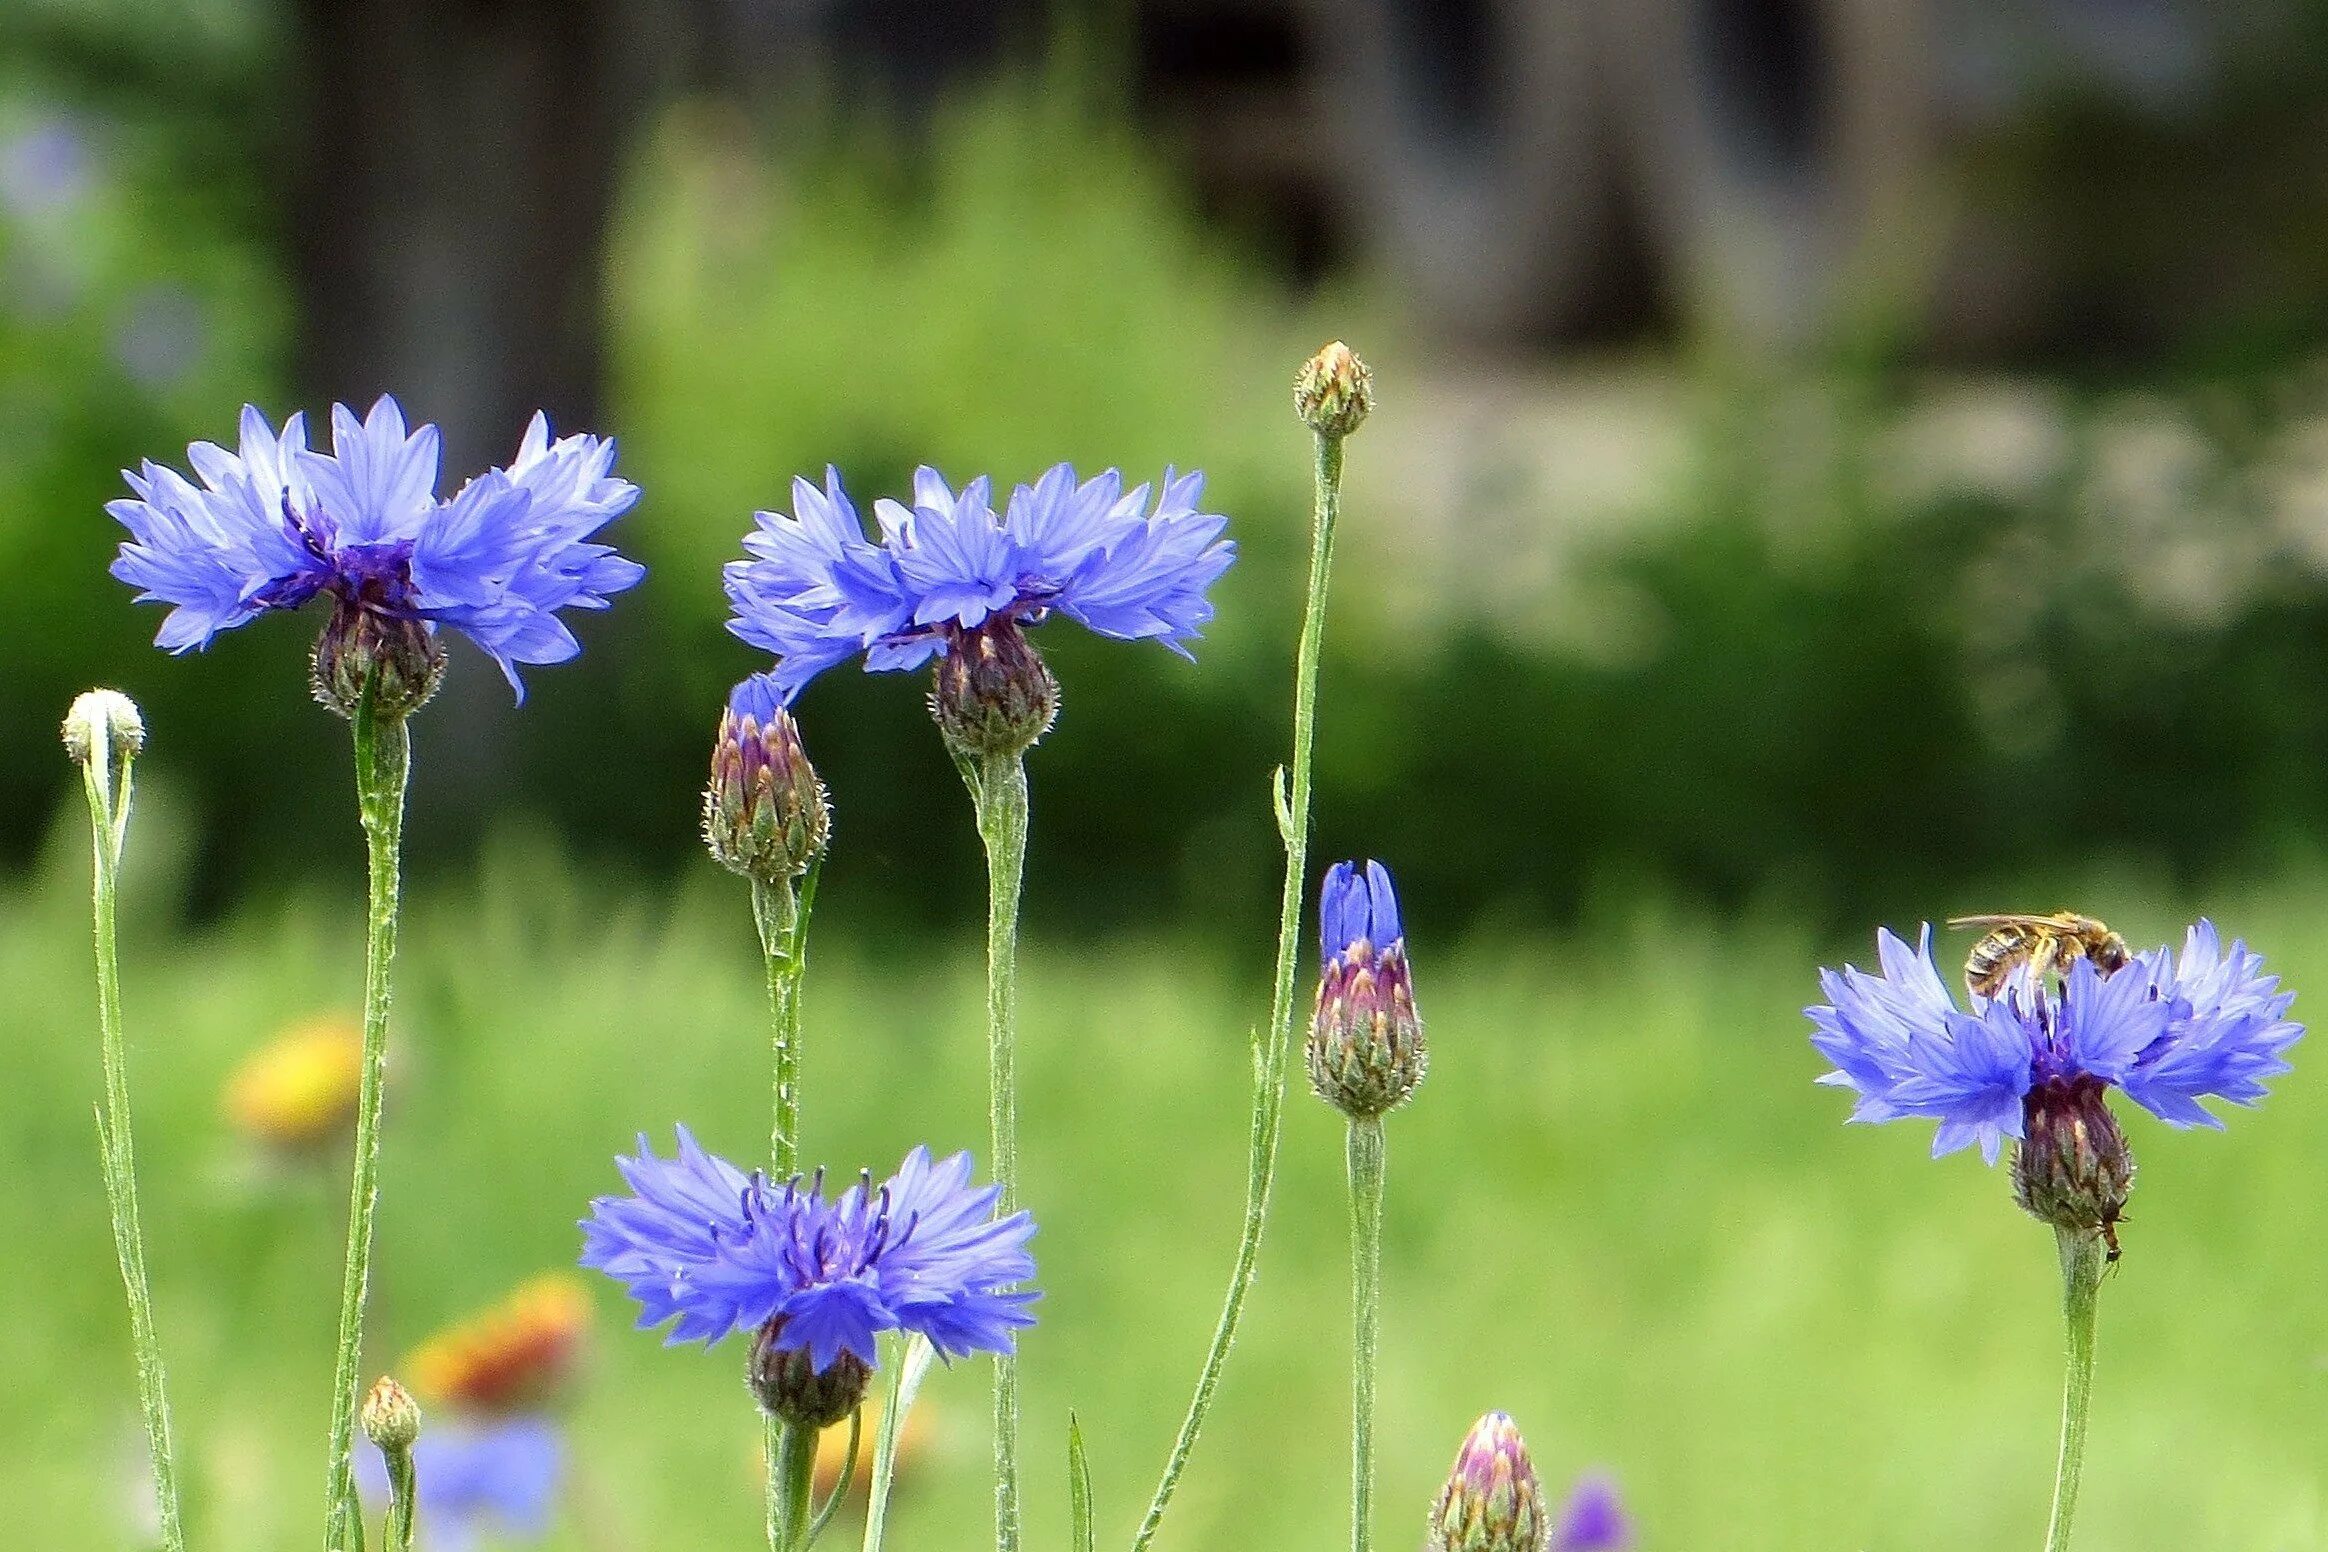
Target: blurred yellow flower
512, 1356
299, 1089
832, 1448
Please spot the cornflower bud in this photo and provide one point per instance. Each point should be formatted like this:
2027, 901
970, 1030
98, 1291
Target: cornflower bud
102, 724
764, 812
2072, 1168
791, 1389
1366, 1048
992, 693
391, 1417
1334, 392
398, 656
1492, 1501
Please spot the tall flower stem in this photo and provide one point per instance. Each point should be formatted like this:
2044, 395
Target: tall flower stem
383, 766
107, 783
906, 1371
779, 913
2081, 1290
795, 1480
1292, 802
1000, 789
1366, 1166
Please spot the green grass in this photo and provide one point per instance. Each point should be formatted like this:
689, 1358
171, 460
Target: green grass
1618, 1209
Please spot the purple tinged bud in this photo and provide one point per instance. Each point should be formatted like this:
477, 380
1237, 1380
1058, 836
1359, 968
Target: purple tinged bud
1594, 1521
1492, 1501
791, 1389
2072, 1168
399, 658
764, 811
1366, 1048
992, 694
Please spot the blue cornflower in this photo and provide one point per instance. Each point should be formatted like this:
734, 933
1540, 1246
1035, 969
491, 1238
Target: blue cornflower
816, 590
475, 1478
2168, 1033
274, 524
1366, 1049
712, 1250
1594, 1520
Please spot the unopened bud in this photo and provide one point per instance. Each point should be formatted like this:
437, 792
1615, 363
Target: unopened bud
1334, 391
101, 725
992, 692
2072, 1168
764, 813
1492, 1501
399, 658
1366, 1048
791, 1389
391, 1417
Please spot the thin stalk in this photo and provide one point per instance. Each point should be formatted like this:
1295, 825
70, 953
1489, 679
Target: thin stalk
108, 789
905, 1377
796, 1481
1292, 801
840, 1492
1366, 1164
1001, 794
403, 1500
2081, 1296
383, 766
776, 913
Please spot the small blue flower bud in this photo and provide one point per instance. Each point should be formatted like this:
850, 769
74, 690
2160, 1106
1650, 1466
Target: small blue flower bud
764, 813
2072, 1167
398, 656
391, 1417
791, 1389
102, 724
992, 693
1492, 1501
1366, 1047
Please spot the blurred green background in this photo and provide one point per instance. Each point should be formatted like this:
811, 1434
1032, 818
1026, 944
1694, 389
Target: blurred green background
1837, 471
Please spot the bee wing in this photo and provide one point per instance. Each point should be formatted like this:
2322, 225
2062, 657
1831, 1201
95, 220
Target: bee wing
2006, 919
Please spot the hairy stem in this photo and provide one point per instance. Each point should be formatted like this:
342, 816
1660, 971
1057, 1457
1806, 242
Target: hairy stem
2081, 1296
108, 789
1001, 794
1366, 1165
383, 766
1293, 823
795, 1481
905, 1377
782, 924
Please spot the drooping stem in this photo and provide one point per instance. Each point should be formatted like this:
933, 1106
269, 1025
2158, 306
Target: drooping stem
782, 924
795, 1481
905, 1377
383, 765
2081, 1296
1366, 1162
1001, 794
1292, 801
107, 784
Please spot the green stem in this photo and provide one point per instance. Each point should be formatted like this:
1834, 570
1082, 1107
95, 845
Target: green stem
383, 766
1366, 1162
905, 1376
1293, 824
795, 1482
403, 1500
840, 1492
108, 789
1001, 794
2081, 1297
777, 914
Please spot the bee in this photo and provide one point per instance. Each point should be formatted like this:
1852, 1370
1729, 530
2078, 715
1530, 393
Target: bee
2050, 943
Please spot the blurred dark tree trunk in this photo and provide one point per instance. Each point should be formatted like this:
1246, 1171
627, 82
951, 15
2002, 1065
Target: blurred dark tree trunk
450, 232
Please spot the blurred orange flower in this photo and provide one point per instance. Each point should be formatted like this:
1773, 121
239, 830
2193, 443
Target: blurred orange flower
514, 1355
298, 1091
